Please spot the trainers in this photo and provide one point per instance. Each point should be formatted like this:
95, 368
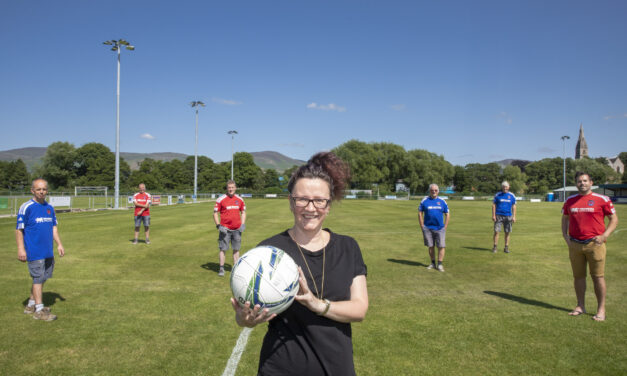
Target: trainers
506, 250
30, 310
494, 249
134, 241
44, 315
441, 268
431, 266
147, 241
221, 272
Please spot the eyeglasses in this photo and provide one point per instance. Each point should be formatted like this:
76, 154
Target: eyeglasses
318, 203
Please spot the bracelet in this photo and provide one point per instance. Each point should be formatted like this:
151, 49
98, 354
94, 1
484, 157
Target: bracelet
326, 308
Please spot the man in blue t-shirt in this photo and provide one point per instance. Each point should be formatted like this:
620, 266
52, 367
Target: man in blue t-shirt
503, 214
35, 232
434, 215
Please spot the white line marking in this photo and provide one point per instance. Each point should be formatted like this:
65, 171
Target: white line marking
231, 365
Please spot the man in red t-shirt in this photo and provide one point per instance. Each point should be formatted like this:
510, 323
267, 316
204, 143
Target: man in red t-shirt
142, 200
229, 215
583, 228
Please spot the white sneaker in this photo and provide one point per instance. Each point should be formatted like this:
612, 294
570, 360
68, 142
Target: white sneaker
441, 268
431, 266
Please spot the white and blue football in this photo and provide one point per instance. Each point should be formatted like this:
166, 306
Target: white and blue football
267, 276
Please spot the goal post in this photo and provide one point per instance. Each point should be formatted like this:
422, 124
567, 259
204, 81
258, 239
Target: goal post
93, 191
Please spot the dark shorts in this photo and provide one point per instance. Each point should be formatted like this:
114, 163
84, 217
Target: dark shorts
232, 237
41, 270
503, 221
145, 219
434, 237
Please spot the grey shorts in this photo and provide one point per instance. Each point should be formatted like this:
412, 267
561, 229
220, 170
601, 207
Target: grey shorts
434, 237
145, 219
505, 222
41, 270
233, 237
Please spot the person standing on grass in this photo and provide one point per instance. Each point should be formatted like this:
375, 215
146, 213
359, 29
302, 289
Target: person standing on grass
142, 201
433, 215
229, 215
583, 228
35, 232
313, 336
503, 215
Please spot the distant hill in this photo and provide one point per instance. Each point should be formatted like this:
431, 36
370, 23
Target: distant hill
33, 156
274, 160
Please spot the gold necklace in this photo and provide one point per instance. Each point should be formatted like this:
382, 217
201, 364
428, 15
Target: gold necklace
320, 294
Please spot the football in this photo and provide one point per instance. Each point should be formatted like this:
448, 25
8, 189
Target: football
267, 276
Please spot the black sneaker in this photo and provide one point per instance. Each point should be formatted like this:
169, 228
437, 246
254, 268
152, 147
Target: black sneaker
506, 250
221, 272
494, 249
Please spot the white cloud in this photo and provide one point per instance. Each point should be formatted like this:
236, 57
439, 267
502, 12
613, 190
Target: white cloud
505, 117
147, 136
398, 107
546, 150
293, 144
228, 102
610, 117
326, 107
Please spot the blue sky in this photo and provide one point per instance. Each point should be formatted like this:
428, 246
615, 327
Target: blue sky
475, 81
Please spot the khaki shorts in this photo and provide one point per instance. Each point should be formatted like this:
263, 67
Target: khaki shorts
592, 253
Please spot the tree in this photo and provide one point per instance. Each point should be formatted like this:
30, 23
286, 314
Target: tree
14, 175
95, 165
58, 166
600, 172
270, 178
246, 173
516, 179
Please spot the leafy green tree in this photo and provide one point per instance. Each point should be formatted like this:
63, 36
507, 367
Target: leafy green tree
58, 166
14, 175
547, 174
516, 179
95, 165
600, 172
246, 173
270, 178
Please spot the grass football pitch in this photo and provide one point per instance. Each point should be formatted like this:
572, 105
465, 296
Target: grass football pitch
161, 309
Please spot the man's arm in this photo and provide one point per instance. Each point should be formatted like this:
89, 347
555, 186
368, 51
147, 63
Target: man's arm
55, 236
608, 230
21, 250
493, 212
446, 218
243, 217
565, 223
514, 213
421, 219
216, 218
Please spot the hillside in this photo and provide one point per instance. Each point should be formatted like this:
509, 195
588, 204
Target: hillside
272, 159
33, 156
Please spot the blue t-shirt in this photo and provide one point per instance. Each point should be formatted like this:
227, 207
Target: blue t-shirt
504, 203
434, 209
37, 221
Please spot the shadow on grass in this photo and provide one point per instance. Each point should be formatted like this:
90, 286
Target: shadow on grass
214, 266
48, 298
407, 262
138, 241
522, 300
478, 248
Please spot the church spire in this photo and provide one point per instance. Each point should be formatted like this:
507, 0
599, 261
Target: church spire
581, 150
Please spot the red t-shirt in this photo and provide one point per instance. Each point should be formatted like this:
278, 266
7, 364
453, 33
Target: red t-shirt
143, 199
586, 215
229, 209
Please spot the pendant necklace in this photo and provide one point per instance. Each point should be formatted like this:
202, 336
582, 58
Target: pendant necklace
319, 294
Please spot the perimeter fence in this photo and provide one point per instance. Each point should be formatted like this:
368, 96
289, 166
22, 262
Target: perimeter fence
68, 201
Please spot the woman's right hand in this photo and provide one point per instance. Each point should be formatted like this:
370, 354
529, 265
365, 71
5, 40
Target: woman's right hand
245, 316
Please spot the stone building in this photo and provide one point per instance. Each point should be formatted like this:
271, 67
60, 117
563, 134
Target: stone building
581, 150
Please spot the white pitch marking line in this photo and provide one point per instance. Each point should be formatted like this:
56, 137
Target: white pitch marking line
231, 365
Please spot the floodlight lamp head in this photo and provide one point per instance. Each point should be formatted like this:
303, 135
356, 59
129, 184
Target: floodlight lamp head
122, 41
130, 48
108, 43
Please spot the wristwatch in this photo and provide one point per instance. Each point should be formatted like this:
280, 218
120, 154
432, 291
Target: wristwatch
326, 307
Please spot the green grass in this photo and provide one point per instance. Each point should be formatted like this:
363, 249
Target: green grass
161, 309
